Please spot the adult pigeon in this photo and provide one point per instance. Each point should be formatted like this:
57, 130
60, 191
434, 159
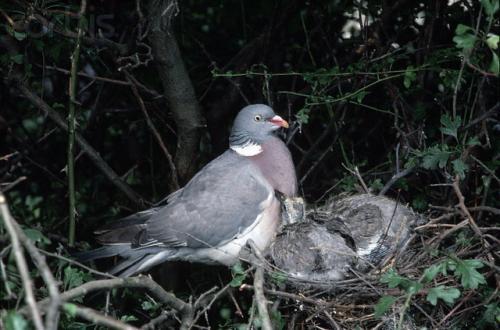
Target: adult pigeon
229, 201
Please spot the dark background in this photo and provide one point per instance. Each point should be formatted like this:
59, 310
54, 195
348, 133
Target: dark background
382, 86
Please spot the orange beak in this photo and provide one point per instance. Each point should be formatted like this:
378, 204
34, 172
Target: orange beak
278, 121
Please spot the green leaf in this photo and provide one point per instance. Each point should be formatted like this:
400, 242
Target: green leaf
492, 41
391, 278
448, 295
18, 58
14, 321
36, 236
70, 309
435, 157
470, 277
409, 76
383, 305
431, 272
462, 29
465, 41
360, 96
239, 275
491, 314
490, 6
73, 277
474, 141
128, 318
495, 64
278, 277
460, 167
225, 313
450, 125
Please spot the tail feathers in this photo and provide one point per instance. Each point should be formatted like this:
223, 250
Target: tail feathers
102, 252
133, 260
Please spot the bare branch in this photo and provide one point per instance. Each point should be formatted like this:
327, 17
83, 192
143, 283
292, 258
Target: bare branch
97, 318
91, 152
22, 265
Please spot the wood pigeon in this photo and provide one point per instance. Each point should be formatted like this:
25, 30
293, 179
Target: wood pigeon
229, 201
356, 232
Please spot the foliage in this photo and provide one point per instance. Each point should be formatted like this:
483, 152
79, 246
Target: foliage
380, 87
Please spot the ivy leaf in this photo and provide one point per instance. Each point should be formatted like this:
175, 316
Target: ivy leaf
470, 277
450, 125
495, 64
383, 305
36, 236
448, 295
14, 321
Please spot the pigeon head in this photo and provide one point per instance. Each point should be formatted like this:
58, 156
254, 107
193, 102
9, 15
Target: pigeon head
253, 125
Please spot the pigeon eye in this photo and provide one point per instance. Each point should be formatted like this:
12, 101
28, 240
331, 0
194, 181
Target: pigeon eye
258, 118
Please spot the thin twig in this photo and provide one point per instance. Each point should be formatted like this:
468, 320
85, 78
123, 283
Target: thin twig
91, 152
149, 122
97, 318
52, 318
22, 265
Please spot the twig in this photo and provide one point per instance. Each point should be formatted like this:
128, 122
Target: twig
151, 325
394, 179
75, 56
76, 263
95, 317
11, 185
22, 265
153, 129
52, 318
261, 298
356, 173
258, 284
91, 152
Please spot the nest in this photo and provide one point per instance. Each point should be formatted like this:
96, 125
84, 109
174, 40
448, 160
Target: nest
334, 257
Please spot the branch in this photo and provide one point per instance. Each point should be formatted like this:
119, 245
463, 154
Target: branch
258, 283
153, 129
95, 317
177, 86
22, 265
73, 81
91, 152
395, 178
52, 318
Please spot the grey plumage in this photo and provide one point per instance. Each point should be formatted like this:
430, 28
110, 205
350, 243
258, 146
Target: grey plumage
227, 202
356, 232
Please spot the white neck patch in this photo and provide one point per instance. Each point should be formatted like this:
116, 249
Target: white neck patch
247, 149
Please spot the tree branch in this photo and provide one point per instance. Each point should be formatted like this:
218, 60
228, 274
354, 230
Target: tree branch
177, 86
22, 265
91, 152
97, 318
